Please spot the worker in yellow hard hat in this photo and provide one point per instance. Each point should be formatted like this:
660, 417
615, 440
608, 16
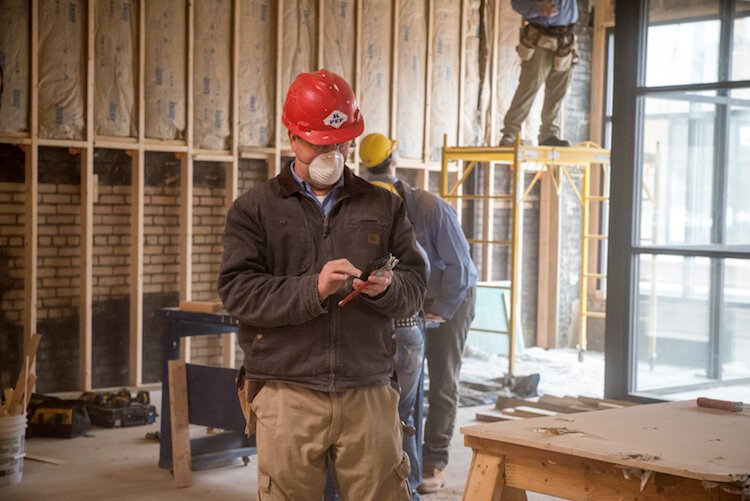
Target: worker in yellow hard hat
449, 302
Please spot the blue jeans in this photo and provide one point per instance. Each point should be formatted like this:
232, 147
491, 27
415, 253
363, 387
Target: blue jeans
409, 359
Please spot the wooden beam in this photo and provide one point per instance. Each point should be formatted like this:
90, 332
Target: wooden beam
357, 67
492, 135
549, 261
179, 422
394, 68
486, 477
87, 216
186, 184
426, 130
229, 340
31, 211
137, 197
462, 73
274, 169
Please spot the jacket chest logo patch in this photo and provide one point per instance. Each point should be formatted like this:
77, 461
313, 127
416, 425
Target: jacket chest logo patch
373, 238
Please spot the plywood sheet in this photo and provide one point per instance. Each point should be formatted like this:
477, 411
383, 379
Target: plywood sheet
257, 72
677, 438
374, 96
212, 76
165, 74
62, 69
412, 48
116, 45
14, 58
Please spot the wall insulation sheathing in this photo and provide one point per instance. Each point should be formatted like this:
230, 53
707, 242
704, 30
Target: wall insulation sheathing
445, 75
116, 68
14, 59
375, 80
476, 94
339, 18
257, 72
213, 74
509, 68
412, 50
165, 73
62, 77
298, 51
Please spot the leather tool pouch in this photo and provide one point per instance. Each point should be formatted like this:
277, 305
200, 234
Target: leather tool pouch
527, 42
246, 392
566, 55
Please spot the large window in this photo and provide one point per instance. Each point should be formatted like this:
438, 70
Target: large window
688, 254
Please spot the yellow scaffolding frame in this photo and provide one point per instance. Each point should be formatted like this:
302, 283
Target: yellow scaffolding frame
537, 159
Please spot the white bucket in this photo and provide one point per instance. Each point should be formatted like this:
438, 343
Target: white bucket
12, 449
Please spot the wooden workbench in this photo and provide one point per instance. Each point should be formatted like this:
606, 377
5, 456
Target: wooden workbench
672, 450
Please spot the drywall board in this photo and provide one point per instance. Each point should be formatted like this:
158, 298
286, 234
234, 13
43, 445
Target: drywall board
298, 51
338, 37
412, 50
62, 77
374, 95
476, 74
164, 76
213, 74
444, 83
257, 72
14, 59
116, 46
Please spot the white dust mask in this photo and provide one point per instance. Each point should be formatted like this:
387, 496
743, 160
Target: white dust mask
326, 168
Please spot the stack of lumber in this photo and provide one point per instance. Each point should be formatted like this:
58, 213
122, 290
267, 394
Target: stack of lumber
512, 409
16, 400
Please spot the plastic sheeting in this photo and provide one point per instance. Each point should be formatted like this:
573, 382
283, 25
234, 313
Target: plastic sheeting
62, 77
509, 67
476, 94
374, 94
298, 54
166, 39
338, 38
257, 72
14, 59
116, 68
212, 76
412, 45
445, 75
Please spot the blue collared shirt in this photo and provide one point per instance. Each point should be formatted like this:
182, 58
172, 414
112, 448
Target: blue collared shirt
567, 12
327, 204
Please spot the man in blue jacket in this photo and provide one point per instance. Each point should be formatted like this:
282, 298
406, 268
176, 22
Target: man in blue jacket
547, 48
449, 301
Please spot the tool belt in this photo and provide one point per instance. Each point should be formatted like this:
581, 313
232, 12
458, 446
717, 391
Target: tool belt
559, 39
413, 321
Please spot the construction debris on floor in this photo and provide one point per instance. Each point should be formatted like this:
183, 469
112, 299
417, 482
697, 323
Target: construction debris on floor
511, 408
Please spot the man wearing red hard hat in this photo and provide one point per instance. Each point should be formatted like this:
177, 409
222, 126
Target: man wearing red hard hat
318, 388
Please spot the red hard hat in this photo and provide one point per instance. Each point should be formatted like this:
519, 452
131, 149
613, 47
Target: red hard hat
321, 108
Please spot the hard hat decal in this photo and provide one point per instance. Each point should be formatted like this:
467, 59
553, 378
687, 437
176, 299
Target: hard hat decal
336, 119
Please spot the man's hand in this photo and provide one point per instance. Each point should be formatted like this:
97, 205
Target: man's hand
376, 284
548, 8
334, 275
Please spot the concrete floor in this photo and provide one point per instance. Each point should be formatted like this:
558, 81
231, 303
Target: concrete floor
121, 463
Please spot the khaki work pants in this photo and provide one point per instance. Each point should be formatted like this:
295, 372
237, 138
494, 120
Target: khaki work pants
537, 71
300, 433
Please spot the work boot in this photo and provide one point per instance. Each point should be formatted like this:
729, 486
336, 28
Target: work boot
431, 482
554, 141
508, 139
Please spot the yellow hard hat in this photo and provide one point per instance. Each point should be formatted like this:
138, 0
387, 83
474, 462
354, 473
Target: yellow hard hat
385, 186
374, 149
